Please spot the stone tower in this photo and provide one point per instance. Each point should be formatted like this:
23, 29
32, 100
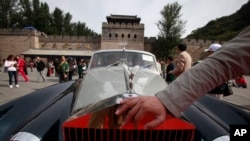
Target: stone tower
122, 31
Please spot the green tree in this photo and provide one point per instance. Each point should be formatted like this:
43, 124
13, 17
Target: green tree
67, 24
26, 13
57, 23
45, 19
80, 29
171, 28
41, 16
22, 13
8, 9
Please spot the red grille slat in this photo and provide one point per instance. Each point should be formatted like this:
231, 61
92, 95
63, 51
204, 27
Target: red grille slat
88, 134
171, 130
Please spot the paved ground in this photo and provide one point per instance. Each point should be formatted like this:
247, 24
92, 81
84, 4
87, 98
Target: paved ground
7, 94
240, 97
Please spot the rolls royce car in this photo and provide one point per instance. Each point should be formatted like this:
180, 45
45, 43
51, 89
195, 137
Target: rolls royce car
83, 109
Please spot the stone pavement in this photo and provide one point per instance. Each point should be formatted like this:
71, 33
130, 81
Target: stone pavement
7, 94
240, 97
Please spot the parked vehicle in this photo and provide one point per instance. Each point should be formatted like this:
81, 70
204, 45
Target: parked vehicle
64, 111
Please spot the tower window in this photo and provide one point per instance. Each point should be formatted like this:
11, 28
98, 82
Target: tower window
128, 35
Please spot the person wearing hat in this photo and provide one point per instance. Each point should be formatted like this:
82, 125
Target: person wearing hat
213, 47
218, 91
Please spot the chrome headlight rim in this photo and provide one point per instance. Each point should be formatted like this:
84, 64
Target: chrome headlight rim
24, 136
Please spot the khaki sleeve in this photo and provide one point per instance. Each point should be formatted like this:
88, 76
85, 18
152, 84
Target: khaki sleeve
179, 65
230, 61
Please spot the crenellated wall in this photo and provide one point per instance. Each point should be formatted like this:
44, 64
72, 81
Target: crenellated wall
196, 47
70, 42
200, 42
122, 25
70, 39
16, 41
19, 32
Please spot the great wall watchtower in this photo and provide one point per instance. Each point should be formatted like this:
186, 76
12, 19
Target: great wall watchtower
121, 30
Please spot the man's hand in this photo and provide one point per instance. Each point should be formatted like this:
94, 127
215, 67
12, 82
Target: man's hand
138, 107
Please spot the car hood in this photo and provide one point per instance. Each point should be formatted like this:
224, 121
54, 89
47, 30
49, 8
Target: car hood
110, 81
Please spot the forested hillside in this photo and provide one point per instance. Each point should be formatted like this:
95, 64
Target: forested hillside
224, 28
18, 14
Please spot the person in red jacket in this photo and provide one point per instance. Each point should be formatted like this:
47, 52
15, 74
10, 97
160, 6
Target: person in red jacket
240, 82
21, 66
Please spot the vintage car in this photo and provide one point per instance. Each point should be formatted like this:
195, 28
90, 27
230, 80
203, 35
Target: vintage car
84, 109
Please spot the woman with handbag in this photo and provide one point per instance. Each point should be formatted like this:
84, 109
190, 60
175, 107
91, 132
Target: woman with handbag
11, 66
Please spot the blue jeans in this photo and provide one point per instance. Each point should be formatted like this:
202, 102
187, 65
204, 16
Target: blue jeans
11, 75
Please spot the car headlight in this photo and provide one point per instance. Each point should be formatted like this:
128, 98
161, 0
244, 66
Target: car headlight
222, 138
24, 136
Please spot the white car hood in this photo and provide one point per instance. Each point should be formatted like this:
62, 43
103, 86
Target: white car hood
105, 82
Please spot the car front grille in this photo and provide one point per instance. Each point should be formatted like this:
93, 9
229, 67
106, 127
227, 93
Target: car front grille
173, 129
91, 134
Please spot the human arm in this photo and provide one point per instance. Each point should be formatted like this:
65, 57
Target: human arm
179, 65
7, 64
170, 67
228, 62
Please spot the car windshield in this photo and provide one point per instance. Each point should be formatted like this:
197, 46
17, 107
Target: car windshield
131, 59
106, 76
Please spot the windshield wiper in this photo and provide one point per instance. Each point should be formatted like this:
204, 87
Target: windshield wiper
114, 64
147, 66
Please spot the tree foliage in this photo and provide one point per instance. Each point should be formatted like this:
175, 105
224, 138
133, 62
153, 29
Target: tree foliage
171, 28
224, 28
23, 13
8, 10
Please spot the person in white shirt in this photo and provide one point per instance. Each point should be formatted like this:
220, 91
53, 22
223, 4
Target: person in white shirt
159, 67
11, 66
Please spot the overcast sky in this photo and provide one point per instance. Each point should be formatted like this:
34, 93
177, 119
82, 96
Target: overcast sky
197, 13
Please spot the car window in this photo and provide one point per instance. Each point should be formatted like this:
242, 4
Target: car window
131, 59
